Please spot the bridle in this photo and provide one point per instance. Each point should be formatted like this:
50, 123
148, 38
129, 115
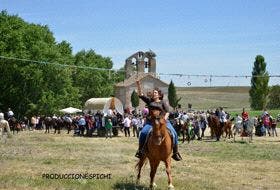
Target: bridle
157, 121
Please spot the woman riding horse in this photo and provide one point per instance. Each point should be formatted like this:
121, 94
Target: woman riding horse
159, 148
156, 102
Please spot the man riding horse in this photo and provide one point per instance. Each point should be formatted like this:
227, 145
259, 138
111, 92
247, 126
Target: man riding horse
156, 102
10, 113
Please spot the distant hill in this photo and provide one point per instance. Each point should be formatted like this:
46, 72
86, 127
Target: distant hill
203, 98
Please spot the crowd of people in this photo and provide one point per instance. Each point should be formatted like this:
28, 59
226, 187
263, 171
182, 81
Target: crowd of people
138, 124
131, 124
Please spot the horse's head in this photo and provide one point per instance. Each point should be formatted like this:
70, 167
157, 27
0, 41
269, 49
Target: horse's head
159, 127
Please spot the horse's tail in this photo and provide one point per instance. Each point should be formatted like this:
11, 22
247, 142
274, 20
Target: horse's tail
141, 162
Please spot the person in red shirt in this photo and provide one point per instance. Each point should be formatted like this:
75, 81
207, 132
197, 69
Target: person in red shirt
245, 120
267, 123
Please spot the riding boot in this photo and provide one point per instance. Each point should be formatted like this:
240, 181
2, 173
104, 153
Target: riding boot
140, 151
176, 156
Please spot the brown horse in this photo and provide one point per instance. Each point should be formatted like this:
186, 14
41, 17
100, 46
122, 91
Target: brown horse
159, 148
215, 127
182, 128
14, 125
227, 129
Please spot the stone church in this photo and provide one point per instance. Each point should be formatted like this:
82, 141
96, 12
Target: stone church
139, 66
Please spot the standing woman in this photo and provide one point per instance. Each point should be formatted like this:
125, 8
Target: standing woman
156, 102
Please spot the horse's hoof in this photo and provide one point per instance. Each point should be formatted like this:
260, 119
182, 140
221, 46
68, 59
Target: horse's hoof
171, 187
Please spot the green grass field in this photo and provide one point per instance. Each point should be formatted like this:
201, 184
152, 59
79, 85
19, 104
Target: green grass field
206, 164
233, 99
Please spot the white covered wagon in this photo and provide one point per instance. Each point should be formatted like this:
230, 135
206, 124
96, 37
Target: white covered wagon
106, 105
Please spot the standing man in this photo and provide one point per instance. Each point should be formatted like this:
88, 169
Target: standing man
127, 124
134, 123
245, 121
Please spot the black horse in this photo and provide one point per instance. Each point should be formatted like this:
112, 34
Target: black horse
49, 123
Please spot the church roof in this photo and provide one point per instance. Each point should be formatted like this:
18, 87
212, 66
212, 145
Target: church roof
140, 76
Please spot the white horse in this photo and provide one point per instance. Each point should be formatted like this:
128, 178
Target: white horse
237, 125
4, 125
238, 128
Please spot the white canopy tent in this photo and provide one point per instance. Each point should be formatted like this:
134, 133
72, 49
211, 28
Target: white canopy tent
106, 105
70, 110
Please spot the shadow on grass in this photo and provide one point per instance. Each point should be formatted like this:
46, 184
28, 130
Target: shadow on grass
277, 141
211, 140
129, 186
242, 141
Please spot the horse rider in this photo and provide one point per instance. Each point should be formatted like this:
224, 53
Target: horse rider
10, 113
184, 117
4, 124
156, 102
222, 117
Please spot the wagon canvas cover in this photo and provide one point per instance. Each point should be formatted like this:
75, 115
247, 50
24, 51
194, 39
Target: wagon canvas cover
104, 104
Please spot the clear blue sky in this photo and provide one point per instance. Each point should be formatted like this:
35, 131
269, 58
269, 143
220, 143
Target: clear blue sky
218, 37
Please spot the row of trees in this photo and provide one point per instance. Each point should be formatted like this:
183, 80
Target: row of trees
57, 79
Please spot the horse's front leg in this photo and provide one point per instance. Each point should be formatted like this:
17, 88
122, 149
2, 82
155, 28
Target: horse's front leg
154, 165
230, 133
168, 172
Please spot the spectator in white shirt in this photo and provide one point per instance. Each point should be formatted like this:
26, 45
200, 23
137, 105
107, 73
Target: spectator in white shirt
127, 124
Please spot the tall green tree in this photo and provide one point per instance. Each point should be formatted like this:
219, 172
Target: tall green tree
259, 84
93, 82
134, 99
274, 97
38, 86
172, 95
